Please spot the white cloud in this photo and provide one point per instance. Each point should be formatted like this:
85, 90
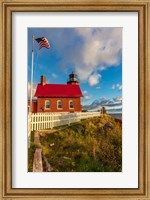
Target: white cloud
87, 49
101, 49
113, 87
115, 103
98, 87
102, 68
87, 97
84, 91
94, 79
54, 75
120, 87
117, 98
117, 86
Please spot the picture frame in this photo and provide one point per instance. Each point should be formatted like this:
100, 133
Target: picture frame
7, 8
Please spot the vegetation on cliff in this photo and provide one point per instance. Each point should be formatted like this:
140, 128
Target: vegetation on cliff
93, 145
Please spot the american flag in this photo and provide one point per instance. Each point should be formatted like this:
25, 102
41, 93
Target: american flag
43, 42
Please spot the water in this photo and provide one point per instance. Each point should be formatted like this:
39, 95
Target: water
116, 115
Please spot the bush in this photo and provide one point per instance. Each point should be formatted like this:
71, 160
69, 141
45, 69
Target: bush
93, 145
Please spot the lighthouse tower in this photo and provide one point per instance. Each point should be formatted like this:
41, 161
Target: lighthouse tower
73, 79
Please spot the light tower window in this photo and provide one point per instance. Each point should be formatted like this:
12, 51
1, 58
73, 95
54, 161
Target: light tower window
73, 79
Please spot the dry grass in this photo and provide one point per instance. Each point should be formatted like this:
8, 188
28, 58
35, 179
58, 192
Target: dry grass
93, 145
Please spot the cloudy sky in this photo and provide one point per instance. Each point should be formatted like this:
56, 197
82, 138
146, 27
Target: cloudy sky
94, 54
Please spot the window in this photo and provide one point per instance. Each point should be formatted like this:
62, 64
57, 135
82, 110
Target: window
59, 104
71, 104
47, 104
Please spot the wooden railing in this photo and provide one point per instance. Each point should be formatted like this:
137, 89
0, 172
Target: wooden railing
40, 121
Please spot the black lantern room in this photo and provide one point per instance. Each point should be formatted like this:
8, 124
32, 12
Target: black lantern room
73, 79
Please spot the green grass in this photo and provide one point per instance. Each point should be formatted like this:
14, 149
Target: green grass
93, 145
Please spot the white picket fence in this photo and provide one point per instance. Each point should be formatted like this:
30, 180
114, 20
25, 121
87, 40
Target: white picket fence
40, 121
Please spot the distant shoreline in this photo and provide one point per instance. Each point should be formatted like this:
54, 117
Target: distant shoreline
117, 115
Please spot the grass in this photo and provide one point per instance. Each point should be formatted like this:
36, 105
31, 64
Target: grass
93, 145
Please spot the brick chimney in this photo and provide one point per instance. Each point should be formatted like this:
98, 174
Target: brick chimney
43, 80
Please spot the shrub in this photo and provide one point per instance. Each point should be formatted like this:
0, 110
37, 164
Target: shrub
92, 145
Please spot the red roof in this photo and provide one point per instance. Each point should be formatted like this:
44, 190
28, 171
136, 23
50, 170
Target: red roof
58, 90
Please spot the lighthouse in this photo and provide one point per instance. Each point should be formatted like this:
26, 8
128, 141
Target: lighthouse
73, 79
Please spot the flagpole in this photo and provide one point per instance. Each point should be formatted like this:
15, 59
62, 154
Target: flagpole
31, 85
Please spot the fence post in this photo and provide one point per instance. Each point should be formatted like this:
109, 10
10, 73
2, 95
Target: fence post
52, 118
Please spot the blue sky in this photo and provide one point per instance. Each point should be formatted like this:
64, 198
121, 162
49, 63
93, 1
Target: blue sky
94, 54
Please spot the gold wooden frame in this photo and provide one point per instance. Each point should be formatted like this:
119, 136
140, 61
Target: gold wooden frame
6, 9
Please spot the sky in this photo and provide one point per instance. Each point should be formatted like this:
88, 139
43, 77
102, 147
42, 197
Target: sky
94, 54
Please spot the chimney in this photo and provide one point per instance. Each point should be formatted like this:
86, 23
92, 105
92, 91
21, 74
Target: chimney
43, 80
